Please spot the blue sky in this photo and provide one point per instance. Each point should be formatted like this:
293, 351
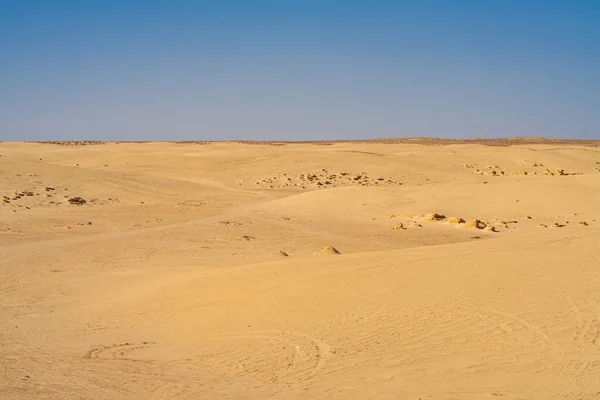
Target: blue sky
293, 70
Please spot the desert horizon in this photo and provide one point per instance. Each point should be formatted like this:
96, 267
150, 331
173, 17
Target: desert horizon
506, 141
376, 269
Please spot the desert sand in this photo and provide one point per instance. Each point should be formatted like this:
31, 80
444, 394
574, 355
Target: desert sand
371, 270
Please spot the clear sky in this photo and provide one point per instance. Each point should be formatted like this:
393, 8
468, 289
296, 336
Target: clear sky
293, 70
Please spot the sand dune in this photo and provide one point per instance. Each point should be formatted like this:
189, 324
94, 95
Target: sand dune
169, 270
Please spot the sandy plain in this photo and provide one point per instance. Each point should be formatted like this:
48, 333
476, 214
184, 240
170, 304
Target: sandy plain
300, 271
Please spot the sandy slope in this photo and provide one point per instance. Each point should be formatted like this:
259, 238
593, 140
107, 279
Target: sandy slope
170, 282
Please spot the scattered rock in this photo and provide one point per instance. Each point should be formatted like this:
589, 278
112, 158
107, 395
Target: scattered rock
475, 223
492, 173
490, 228
583, 223
77, 200
398, 226
434, 217
229, 223
557, 172
283, 254
456, 220
320, 179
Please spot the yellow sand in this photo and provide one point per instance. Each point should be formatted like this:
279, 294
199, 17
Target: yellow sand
169, 281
